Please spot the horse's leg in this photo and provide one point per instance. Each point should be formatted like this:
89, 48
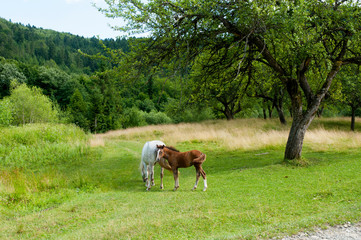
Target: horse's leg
203, 173
152, 175
161, 177
176, 179
149, 172
144, 173
198, 173
145, 168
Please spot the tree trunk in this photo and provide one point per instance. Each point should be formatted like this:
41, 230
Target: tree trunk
270, 108
353, 114
264, 113
229, 115
281, 115
296, 136
320, 111
278, 104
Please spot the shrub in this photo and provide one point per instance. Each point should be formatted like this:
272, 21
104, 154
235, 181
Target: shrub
29, 105
133, 117
154, 118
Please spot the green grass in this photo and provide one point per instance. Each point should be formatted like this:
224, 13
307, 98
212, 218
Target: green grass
250, 195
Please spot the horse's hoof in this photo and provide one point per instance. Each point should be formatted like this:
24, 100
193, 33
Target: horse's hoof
175, 189
161, 187
204, 189
194, 188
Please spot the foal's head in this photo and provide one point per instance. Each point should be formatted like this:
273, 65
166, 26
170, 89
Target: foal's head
160, 152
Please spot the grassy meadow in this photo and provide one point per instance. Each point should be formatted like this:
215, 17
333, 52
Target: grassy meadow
58, 183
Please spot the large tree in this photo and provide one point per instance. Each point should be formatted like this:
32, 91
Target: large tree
267, 87
305, 42
222, 87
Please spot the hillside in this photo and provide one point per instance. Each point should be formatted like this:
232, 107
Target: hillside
37, 46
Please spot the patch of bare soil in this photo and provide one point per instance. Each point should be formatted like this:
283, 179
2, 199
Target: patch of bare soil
346, 231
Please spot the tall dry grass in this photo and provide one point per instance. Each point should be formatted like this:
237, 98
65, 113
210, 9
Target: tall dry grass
245, 134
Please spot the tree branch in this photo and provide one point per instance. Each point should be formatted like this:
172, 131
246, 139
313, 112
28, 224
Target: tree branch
303, 80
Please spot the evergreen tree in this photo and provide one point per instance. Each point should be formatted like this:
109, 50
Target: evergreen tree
77, 109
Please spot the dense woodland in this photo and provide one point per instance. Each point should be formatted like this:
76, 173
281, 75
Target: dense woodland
88, 85
37, 46
83, 89
117, 83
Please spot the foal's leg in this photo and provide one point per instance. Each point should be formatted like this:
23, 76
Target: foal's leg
161, 177
176, 179
198, 173
203, 173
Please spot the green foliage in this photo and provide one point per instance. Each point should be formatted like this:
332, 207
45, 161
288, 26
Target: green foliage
77, 109
223, 88
6, 117
36, 46
305, 43
188, 113
29, 105
9, 72
156, 118
105, 102
146, 104
349, 83
54, 83
132, 117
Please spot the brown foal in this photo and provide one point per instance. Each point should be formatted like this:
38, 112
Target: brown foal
178, 159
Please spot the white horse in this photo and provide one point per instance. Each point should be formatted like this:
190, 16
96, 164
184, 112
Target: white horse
149, 155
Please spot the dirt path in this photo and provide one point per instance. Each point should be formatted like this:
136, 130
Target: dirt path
346, 231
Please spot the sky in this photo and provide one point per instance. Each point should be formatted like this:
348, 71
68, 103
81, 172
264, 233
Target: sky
77, 17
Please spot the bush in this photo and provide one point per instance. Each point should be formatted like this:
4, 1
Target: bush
8, 73
154, 118
29, 105
133, 117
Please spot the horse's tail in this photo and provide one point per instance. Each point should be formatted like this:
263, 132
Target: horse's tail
165, 164
141, 166
200, 159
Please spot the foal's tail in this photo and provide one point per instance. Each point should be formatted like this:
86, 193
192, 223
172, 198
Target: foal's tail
200, 159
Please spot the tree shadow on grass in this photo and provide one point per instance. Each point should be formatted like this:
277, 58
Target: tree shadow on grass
238, 160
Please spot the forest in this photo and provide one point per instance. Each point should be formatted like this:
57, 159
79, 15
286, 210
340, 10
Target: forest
83, 86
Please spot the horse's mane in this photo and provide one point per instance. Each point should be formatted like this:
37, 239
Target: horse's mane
172, 148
